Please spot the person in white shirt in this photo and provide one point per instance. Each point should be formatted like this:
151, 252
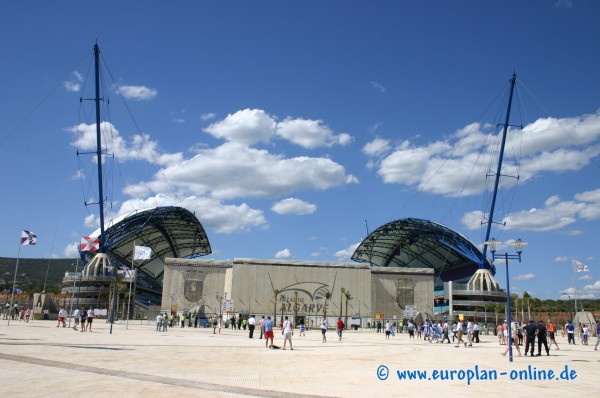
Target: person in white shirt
159, 321
76, 315
288, 332
251, 326
62, 314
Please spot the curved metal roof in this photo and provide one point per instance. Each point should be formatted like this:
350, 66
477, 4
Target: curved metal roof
168, 231
416, 243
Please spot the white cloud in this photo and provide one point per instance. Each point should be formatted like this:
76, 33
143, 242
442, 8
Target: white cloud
457, 165
72, 250
137, 92
525, 277
555, 214
346, 254
285, 253
310, 134
91, 221
213, 214
248, 127
377, 147
140, 147
251, 126
585, 278
233, 171
293, 206
74, 85
208, 116
377, 86
595, 287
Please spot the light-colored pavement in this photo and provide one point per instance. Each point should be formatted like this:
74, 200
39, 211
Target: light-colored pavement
38, 359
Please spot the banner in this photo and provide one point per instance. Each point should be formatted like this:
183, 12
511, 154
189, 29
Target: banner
89, 244
142, 253
28, 238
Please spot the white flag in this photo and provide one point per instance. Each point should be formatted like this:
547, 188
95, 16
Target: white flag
142, 253
580, 267
28, 238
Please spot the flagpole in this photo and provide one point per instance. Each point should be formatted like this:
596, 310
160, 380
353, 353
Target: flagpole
73, 292
132, 273
12, 293
573, 265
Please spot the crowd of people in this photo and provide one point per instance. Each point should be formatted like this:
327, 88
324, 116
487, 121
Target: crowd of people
23, 314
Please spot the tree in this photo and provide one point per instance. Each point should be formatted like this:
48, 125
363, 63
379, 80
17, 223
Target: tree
527, 298
342, 292
348, 298
488, 308
327, 297
275, 293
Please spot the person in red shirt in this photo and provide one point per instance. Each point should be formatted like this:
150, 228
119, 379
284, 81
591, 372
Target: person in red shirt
340, 328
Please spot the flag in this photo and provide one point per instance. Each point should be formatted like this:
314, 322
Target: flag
580, 267
89, 244
28, 238
141, 253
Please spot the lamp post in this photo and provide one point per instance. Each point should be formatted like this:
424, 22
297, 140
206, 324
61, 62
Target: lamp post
493, 244
570, 306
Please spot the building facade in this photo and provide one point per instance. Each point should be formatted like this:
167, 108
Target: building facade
305, 290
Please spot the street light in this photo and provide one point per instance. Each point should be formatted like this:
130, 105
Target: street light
570, 305
493, 244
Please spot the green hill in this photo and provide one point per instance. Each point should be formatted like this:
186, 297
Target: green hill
32, 273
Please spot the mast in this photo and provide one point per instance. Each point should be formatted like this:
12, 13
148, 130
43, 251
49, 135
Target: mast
99, 146
498, 170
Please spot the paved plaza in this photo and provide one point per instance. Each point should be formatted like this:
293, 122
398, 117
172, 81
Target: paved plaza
37, 359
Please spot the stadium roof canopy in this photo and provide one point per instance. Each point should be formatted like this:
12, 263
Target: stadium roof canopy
168, 231
415, 243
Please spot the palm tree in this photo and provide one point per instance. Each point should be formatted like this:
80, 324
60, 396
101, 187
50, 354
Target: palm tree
327, 297
282, 298
348, 298
275, 293
488, 308
527, 297
342, 292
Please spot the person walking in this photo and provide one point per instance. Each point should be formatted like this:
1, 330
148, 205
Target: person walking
90, 319
76, 315
261, 327
268, 326
459, 334
541, 338
251, 326
514, 327
570, 333
551, 333
530, 331
324, 330
288, 332
388, 330
165, 322
597, 335
340, 328
476, 330
83, 319
159, 322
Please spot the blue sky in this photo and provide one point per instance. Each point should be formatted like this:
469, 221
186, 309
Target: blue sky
286, 125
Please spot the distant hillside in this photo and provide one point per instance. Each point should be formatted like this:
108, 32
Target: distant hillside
32, 273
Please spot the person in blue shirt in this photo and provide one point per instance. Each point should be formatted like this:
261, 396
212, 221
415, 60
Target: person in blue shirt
268, 326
